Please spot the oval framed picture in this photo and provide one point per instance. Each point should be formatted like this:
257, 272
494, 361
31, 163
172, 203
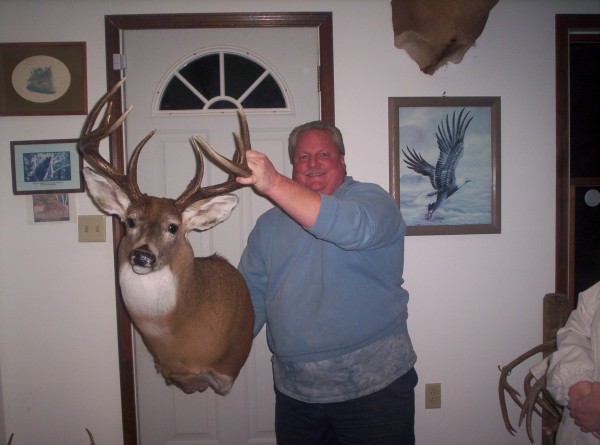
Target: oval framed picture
43, 78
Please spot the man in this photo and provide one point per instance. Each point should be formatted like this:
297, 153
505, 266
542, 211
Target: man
324, 268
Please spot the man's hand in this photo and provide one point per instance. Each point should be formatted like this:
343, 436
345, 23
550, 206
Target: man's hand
584, 406
580, 390
300, 203
264, 176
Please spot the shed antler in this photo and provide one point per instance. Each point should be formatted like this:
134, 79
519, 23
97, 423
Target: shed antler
88, 431
534, 395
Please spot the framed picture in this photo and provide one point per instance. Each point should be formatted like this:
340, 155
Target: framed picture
39, 79
445, 163
51, 166
51, 207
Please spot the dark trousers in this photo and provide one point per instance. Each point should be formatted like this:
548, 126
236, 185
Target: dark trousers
383, 418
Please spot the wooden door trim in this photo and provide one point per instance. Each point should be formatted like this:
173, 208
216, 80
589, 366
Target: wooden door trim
113, 26
565, 25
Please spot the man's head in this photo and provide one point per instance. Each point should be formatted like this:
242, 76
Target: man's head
317, 153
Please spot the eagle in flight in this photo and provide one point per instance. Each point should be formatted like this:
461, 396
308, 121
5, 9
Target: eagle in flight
450, 140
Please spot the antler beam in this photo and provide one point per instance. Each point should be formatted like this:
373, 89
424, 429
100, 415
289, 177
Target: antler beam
237, 167
89, 143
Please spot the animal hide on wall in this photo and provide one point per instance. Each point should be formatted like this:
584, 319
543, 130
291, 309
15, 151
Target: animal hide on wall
435, 32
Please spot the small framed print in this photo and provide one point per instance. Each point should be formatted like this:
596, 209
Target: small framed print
46, 166
51, 207
38, 79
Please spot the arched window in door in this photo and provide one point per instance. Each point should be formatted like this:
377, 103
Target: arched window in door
219, 80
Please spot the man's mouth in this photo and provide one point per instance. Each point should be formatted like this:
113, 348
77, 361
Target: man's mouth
315, 173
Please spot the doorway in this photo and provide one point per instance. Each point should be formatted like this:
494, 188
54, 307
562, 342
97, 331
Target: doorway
577, 154
115, 28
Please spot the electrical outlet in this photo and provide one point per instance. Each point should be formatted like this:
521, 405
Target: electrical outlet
92, 228
433, 395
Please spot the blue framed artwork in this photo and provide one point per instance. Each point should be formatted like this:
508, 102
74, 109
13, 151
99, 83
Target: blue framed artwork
46, 166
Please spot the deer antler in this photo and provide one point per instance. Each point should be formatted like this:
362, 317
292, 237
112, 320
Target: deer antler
528, 406
237, 167
532, 397
88, 431
91, 437
89, 142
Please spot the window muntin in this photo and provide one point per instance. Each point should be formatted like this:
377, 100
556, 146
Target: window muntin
221, 79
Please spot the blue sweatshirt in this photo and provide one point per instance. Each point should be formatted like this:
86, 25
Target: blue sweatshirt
334, 288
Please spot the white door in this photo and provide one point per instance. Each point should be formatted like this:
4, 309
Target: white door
246, 415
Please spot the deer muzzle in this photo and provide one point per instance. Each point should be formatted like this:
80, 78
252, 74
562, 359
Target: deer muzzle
142, 260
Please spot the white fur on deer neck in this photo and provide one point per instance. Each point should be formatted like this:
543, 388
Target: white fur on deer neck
151, 295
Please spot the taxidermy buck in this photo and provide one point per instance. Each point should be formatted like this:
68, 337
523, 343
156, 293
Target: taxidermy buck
194, 314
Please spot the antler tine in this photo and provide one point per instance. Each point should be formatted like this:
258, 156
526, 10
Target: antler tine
89, 139
89, 142
530, 402
242, 141
222, 161
194, 189
90, 120
91, 437
131, 178
503, 386
537, 394
237, 167
528, 405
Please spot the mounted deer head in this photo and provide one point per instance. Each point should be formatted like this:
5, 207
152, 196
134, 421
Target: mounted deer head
194, 314
435, 32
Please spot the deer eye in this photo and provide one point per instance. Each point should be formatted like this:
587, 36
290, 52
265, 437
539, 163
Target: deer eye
130, 222
173, 228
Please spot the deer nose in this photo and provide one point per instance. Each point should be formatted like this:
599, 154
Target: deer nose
142, 257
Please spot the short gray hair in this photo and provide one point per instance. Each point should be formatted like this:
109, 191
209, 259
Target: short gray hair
332, 130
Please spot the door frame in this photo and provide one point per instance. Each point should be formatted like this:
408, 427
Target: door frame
566, 25
114, 25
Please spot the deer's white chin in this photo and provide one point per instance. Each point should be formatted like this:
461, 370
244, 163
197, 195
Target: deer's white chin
141, 270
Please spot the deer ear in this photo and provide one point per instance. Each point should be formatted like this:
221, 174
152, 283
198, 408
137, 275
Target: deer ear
106, 193
207, 213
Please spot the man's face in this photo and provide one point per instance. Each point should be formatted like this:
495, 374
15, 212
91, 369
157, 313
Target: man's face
317, 163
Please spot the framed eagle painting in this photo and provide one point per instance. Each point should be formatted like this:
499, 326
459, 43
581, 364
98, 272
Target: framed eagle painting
445, 163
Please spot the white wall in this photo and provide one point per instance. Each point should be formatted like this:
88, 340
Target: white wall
476, 300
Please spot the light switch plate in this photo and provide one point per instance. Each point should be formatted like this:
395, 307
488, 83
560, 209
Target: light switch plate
92, 228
